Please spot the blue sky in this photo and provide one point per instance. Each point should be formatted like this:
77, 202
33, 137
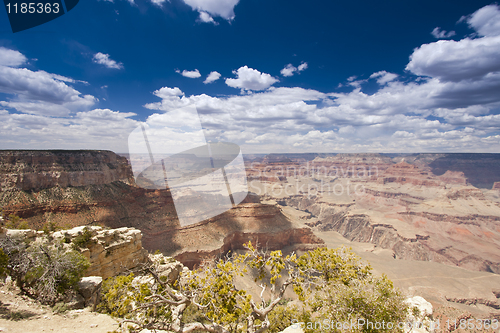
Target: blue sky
271, 76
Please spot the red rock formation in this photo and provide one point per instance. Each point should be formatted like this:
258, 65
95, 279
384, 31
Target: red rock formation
301, 239
405, 173
453, 177
364, 166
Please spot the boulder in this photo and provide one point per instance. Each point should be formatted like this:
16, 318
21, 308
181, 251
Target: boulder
21, 233
167, 266
90, 288
421, 304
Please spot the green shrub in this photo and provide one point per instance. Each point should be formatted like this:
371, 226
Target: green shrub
49, 227
4, 260
82, 240
60, 307
332, 285
43, 271
15, 222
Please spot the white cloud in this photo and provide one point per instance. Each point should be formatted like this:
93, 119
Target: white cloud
212, 77
67, 79
302, 66
469, 59
158, 3
251, 79
11, 58
383, 77
486, 21
166, 92
40, 87
206, 18
40, 107
440, 34
38, 92
452, 106
355, 83
290, 69
221, 8
95, 129
190, 74
104, 59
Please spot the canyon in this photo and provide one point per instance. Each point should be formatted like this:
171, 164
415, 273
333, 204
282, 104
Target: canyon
429, 221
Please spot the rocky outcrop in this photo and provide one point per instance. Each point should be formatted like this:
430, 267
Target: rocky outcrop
299, 239
360, 228
425, 236
465, 193
249, 221
365, 166
114, 205
29, 170
391, 195
405, 173
453, 177
495, 304
109, 251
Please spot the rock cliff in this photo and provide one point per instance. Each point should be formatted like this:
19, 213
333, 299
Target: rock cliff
29, 170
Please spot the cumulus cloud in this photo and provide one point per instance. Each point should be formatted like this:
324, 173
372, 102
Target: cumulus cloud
469, 59
11, 58
290, 69
190, 74
206, 18
457, 60
251, 79
104, 59
212, 77
38, 92
438, 111
486, 21
220, 8
445, 108
383, 77
158, 3
40, 86
440, 34
95, 129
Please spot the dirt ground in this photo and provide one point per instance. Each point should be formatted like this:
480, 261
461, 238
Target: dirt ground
20, 314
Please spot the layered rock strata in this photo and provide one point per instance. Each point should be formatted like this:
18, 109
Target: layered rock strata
37, 169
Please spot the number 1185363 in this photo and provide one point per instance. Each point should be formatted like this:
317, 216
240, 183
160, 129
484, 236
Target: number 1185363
32, 8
